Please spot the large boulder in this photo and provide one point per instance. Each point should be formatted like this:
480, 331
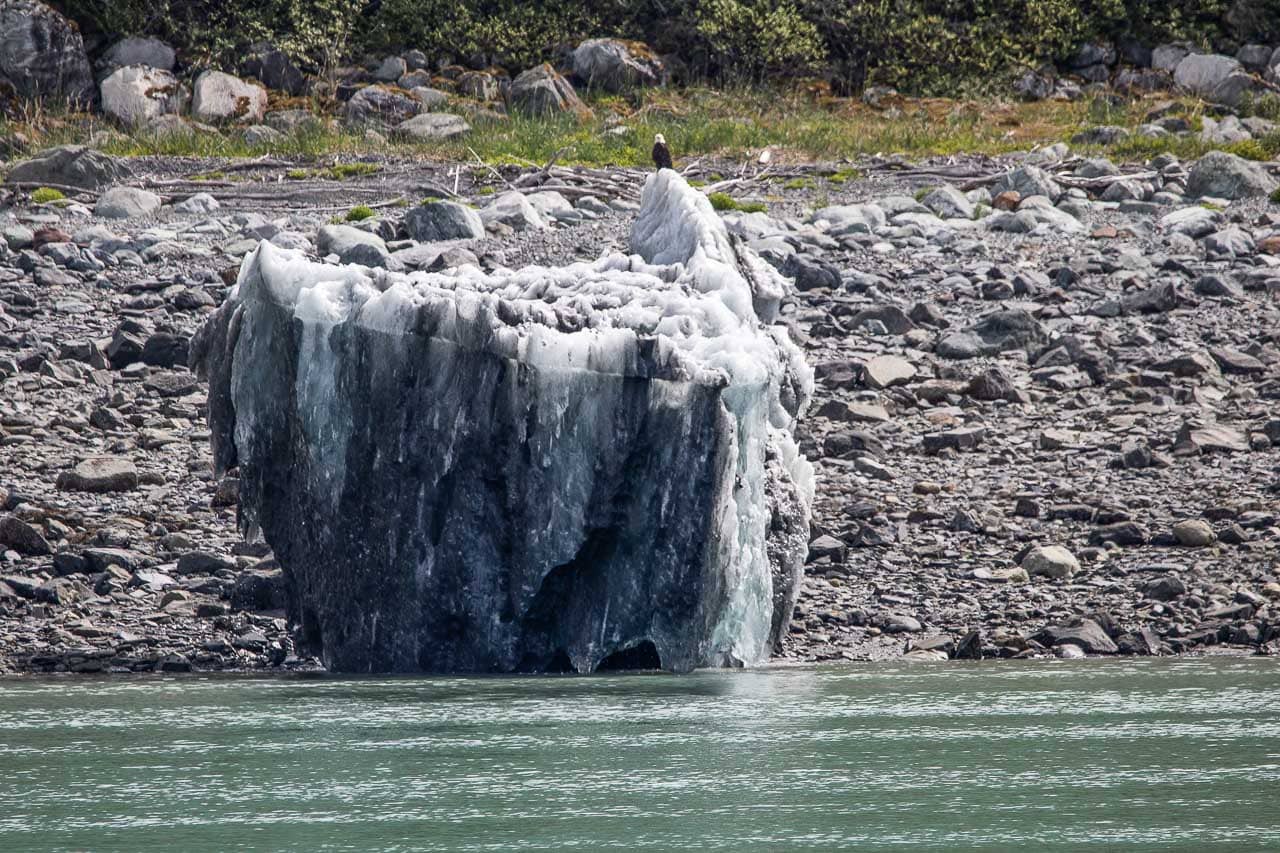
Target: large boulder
433, 127
69, 165
541, 91
42, 54
1028, 181
544, 469
380, 104
274, 69
127, 203
136, 50
615, 65
1222, 175
222, 97
1201, 73
136, 94
443, 220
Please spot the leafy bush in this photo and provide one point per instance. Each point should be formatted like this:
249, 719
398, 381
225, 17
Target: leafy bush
724, 201
216, 32
360, 213
931, 47
44, 195
1275, 196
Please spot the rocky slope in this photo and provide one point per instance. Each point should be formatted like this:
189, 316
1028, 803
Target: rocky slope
1048, 426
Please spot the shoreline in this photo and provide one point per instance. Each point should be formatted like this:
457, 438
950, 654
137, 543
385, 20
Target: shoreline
907, 543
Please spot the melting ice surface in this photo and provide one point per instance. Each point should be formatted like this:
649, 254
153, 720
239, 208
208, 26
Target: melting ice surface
548, 468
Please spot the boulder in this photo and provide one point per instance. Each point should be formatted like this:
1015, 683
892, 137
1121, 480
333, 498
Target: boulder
443, 220
1051, 561
432, 127
542, 91
1222, 175
69, 165
1028, 181
615, 65
1087, 634
135, 94
1193, 533
1200, 73
136, 50
222, 97
530, 470
126, 203
42, 54
274, 69
22, 537
480, 85
997, 332
380, 104
352, 245
513, 210
100, 474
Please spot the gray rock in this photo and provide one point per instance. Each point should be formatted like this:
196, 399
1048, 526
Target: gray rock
391, 70
127, 203
443, 220
1201, 73
949, 203
100, 474
261, 134
1254, 57
1087, 634
1222, 175
431, 127
1239, 87
42, 54
480, 85
1167, 56
542, 91
514, 210
260, 589
71, 165
428, 97
995, 333
1165, 588
22, 537
378, 104
199, 203
885, 371
1028, 181
615, 65
1051, 561
135, 94
136, 50
222, 97
1193, 533
1195, 222
274, 69
352, 245
288, 121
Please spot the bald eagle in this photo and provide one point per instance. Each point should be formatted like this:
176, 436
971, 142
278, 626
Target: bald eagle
661, 153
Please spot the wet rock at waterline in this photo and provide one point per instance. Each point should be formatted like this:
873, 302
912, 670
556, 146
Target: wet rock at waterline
554, 468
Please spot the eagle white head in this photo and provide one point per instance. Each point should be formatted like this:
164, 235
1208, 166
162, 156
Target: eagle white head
659, 139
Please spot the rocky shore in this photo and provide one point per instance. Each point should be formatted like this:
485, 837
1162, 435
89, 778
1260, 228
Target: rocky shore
1046, 418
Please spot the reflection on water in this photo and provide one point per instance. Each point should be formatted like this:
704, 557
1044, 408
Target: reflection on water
1104, 755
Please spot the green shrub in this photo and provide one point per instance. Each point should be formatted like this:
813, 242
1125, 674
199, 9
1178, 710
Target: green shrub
722, 201
44, 195
359, 213
1249, 149
1275, 196
216, 32
341, 171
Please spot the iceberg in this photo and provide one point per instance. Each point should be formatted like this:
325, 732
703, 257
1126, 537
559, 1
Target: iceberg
546, 469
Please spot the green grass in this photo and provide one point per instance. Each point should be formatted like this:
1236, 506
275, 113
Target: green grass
731, 123
723, 202
798, 184
44, 195
359, 213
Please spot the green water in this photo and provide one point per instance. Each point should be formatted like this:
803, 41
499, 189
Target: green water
1081, 755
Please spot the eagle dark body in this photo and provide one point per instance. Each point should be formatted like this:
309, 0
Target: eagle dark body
662, 156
